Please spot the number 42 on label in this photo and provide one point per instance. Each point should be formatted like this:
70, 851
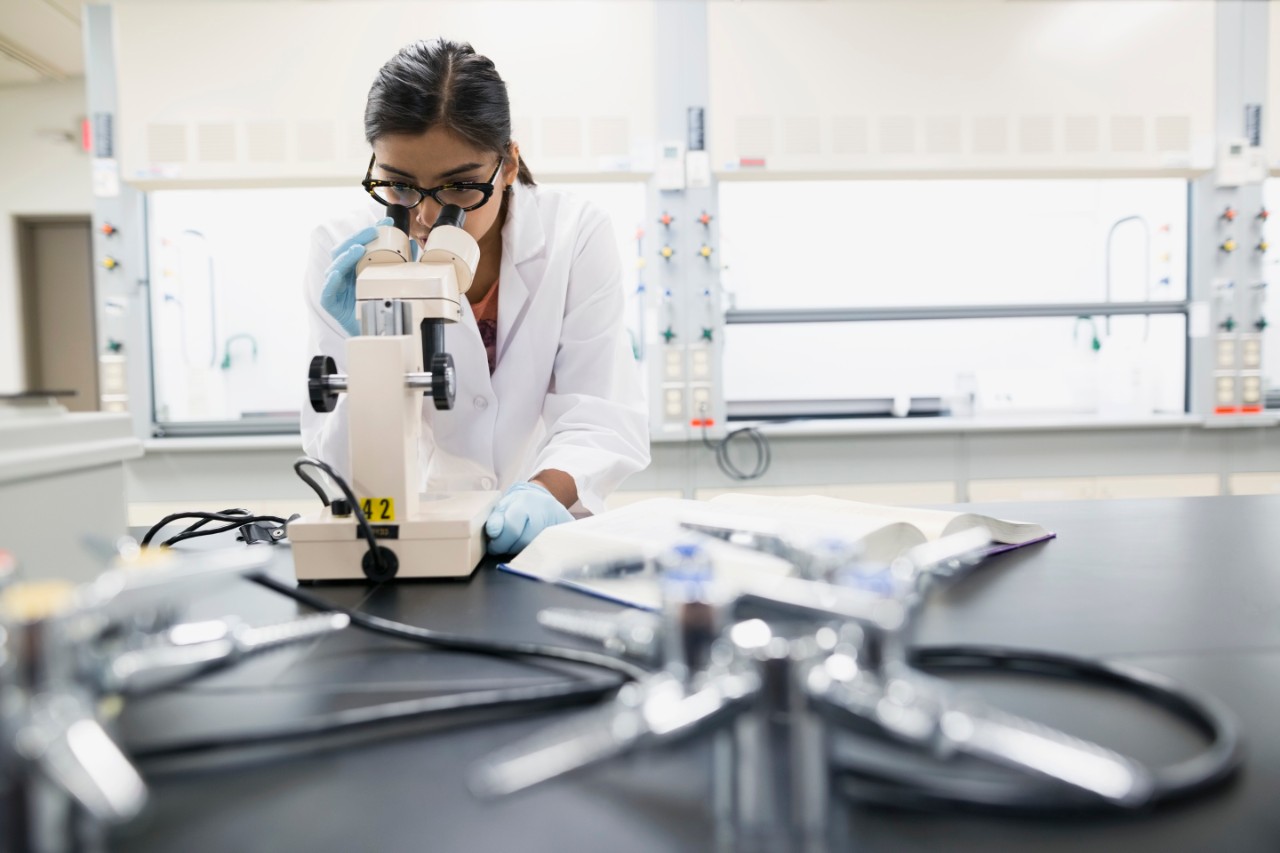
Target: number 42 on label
379, 509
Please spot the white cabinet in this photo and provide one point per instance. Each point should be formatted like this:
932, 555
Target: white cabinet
274, 93
1271, 111
938, 87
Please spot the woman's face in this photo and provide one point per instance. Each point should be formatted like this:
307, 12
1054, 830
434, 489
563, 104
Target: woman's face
438, 157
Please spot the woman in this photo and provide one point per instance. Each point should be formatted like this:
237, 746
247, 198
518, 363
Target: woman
549, 405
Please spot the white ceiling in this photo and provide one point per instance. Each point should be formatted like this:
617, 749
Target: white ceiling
40, 40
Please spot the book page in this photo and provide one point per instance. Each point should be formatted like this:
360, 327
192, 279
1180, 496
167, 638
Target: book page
1002, 530
574, 554
933, 523
605, 555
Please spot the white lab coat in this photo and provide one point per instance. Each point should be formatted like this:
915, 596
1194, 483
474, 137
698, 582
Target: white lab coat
565, 393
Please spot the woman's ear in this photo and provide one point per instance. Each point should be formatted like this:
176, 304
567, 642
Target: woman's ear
511, 169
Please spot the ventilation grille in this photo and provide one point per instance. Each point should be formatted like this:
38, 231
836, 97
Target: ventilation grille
267, 141
849, 135
357, 145
609, 137
1035, 134
754, 135
942, 135
801, 135
216, 142
1128, 134
1173, 133
317, 141
990, 135
1080, 134
166, 143
897, 135
562, 137
522, 131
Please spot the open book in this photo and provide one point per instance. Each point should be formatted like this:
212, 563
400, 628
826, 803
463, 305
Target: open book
572, 554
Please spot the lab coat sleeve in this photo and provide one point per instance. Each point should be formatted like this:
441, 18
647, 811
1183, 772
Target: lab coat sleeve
324, 434
596, 419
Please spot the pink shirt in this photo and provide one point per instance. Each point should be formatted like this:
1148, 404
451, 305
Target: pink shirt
486, 312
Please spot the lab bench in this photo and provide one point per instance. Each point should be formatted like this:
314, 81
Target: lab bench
1187, 587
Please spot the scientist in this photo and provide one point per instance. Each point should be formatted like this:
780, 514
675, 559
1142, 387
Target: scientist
549, 406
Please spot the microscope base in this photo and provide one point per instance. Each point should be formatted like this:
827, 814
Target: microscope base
443, 540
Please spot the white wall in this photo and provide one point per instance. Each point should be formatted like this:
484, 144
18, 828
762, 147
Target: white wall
40, 173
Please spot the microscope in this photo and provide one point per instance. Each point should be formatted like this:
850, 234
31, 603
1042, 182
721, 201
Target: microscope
396, 360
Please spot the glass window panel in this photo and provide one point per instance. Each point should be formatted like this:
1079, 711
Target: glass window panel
229, 326
987, 367
228, 323
815, 244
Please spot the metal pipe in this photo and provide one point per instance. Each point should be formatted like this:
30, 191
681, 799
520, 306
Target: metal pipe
1146, 260
771, 787
951, 312
422, 381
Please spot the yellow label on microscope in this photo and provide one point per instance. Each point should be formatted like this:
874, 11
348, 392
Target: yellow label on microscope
379, 509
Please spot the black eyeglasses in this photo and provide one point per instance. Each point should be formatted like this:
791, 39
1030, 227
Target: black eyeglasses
467, 195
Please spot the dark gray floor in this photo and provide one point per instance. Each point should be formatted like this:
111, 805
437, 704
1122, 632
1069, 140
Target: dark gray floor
1186, 587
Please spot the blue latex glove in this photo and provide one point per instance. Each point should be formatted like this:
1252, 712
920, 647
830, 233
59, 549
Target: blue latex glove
524, 511
339, 294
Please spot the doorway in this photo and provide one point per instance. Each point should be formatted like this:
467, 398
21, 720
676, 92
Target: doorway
60, 340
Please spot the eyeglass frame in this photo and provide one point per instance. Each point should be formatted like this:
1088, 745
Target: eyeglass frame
371, 183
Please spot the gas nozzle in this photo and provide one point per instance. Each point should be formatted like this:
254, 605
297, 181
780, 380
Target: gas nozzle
450, 214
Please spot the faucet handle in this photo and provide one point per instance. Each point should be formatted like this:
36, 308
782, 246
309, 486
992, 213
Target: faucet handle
1023, 744
633, 633
72, 749
656, 711
948, 556
157, 578
194, 647
928, 713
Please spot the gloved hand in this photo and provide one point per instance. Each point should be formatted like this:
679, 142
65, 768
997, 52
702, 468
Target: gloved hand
524, 511
339, 294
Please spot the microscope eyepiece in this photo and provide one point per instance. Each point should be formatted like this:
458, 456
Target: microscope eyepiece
450, 214
399, 216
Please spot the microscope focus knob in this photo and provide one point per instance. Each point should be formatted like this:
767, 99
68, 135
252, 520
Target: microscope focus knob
444, 386
322, 399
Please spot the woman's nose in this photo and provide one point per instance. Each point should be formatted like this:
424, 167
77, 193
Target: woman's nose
428, 211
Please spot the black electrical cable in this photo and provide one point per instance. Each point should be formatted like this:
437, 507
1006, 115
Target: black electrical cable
350, 495
202, 523
196, 530
299, 469
894, 784
457, 642
234, 518
764, 456
409, 709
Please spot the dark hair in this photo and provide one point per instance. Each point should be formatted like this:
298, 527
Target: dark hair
430, 83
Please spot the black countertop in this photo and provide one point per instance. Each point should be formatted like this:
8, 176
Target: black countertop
1187, 587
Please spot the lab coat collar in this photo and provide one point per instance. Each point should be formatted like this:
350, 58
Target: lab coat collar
522, 234
523, 243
